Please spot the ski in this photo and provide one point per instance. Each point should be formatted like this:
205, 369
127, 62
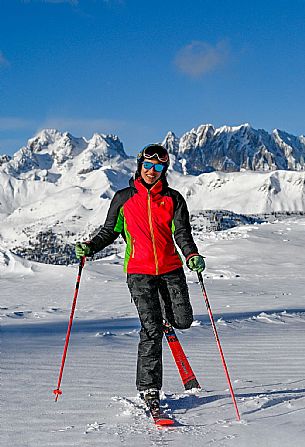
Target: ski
159, 418
162, 419
186, 373
152, 401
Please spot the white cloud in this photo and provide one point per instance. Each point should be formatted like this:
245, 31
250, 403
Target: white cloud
3, 60
199, 58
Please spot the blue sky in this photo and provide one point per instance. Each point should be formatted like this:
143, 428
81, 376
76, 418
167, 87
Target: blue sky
139, 68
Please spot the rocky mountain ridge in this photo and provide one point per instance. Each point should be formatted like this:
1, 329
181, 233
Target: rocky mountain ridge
51, 153
201, 150
232, 149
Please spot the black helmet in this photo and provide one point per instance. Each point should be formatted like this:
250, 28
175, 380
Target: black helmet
156, 151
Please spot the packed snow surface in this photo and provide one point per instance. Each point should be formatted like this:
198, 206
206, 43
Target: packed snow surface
255, 283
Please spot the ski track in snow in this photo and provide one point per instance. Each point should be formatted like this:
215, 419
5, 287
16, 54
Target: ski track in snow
260, 317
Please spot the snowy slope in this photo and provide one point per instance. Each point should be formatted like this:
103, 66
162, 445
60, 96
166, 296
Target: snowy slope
244, 192
255, 283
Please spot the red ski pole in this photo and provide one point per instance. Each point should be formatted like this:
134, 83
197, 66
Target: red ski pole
218, 343
58, 390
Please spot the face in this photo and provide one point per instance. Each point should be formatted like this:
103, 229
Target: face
150, 176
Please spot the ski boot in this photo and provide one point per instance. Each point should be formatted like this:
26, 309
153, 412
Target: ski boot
152, 399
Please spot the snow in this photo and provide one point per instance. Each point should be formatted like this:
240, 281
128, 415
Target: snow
255, 283
243, 192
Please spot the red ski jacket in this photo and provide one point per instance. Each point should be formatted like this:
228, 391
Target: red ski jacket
148, 219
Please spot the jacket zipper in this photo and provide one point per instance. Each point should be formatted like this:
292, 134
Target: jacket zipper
152, 232
133, 247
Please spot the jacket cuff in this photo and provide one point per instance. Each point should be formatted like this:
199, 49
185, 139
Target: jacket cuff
190, 256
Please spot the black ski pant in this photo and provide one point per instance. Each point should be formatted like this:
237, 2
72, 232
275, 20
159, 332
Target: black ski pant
157, 297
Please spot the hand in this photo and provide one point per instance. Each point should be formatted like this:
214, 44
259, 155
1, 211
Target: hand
82, 249
196, 263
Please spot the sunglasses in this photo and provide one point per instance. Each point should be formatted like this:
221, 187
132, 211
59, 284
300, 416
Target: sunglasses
157, 167
155, 151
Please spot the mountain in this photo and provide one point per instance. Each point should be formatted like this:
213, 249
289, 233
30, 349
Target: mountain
57, 188
201, 150
51, 154
231, 149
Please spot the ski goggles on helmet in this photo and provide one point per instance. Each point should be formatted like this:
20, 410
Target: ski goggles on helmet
155, 151
158, 167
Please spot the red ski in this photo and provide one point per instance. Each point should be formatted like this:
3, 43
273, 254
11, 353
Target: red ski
159, 418
152, 400
186, 373
162, 420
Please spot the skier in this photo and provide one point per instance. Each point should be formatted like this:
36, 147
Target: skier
147, 214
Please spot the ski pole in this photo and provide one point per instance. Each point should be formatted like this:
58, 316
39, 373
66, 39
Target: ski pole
58, 391
218, 342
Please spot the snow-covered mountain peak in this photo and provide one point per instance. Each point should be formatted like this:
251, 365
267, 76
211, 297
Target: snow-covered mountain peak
101, 151
205, 148
59, 145
50, 153
234, 129
204, 134
44, 138
235, 148
281, 135
171, 142
106, 146
292, 147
